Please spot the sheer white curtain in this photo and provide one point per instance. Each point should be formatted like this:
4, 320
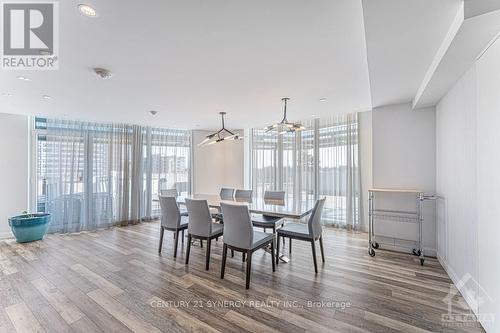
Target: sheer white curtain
95, 175
338, 167
170, 163
264, 160
320, 161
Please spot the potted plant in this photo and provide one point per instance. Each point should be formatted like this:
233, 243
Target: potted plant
29, 227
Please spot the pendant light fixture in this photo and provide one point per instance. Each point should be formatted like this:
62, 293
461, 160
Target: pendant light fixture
221, 135
284, 126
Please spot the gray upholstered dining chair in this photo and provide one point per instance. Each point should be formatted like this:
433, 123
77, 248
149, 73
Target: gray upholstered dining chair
226, 193
243, 195
201, 226
171, 220
310, 232
266, 221
274, 195
172, 192
240, 236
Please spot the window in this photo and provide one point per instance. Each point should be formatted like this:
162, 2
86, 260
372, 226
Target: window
93, 175
320, 161
170, 163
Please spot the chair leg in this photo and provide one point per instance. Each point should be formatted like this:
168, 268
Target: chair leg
243, 257
249, 269
188, 250
182, 239
224, 256
321, 247
272, 255
207, 259
290, 245
264, 229
176, 242
232, 253
313, 247
201, 243
278, 251
161, 238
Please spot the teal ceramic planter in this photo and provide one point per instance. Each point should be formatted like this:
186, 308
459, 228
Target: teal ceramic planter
29, 227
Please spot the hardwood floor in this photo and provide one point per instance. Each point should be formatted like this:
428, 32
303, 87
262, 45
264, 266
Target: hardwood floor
115, 281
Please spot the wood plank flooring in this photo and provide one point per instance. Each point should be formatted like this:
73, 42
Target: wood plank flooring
115, 281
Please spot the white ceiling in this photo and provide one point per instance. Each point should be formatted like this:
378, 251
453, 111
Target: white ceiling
191, 59
402, 38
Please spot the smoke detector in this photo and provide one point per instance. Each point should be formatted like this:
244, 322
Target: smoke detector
103, 73
153, 112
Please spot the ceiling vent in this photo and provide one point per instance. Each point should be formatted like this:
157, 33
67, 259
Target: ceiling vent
103, 73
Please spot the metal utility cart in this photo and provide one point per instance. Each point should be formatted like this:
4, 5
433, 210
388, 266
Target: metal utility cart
413, 217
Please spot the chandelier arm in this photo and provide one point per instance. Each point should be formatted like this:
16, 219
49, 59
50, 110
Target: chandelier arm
223, 125
284, 121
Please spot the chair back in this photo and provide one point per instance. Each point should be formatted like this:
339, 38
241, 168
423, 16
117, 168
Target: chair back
238, 230
170, 214
226, 193
314, 222
274, 195
169, 193
200, 221
245, 195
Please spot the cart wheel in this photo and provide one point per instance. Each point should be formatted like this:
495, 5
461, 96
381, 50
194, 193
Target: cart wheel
375, 245
371, 252
416, 252
421, 261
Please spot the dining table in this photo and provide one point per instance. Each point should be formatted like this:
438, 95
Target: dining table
289, 208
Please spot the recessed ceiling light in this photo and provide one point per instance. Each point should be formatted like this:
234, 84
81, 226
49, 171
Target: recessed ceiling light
23, 78
46, 97
87, 10
322, 99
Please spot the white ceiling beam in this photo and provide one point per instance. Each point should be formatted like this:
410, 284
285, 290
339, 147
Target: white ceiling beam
478, 7
476, 24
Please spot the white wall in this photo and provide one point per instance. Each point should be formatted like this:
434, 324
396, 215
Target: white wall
456, 179
468, 179
14, 168
404, 158
488, 179
218, 165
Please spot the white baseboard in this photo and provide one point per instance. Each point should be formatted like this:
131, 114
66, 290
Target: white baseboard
455, 279
6, 235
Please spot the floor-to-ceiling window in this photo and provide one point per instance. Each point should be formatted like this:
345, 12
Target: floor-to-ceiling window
170, 163
264, 161
91, 175
320, 161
